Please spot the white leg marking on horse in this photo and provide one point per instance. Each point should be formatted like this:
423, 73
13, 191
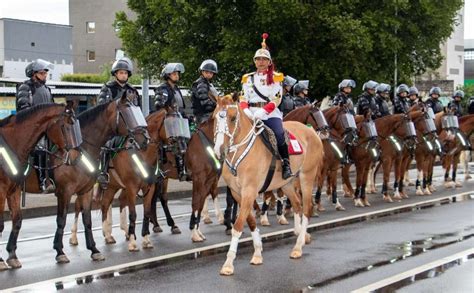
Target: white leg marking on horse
228, 267
219, 214
257, 258
73, 239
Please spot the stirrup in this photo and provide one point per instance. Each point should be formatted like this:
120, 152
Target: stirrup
47, 188
103, 179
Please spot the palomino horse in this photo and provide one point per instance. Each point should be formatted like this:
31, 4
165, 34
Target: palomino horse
98, 125
236, 137
456, 147
20, 134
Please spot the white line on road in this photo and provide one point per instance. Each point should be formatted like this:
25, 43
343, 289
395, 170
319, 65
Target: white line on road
72, 279
393, 279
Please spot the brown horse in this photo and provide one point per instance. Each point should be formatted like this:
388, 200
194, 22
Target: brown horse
98, 125
236, 137
456, 147
21, 133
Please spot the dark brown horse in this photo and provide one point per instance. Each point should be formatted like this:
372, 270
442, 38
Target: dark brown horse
98, 125
21, 133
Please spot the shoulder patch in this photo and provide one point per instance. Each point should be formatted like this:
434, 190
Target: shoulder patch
245, 77
278, 76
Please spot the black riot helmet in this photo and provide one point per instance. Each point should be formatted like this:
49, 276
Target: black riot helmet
122, 64
208, 65
38, 65
300, 86
170, 68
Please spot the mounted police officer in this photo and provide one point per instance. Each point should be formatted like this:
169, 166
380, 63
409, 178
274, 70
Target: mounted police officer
383, 94
262, 95
301, 93
121, 71
30, 93
169, 97
400, 103
413, 98
204, 94
470, 107
366, 100
343, 96
455, 104
433, 101
288, 101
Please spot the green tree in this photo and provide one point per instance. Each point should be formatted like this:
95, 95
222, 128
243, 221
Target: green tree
323, 41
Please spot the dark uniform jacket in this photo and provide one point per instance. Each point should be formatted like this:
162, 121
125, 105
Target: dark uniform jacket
112, 90
203, 104
435, 104
342, 98
382, 105
167, 96
31, 93
287, 104
400, 105
367, 102
301, 101
457, 107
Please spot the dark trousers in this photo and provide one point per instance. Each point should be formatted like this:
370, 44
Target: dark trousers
276, 124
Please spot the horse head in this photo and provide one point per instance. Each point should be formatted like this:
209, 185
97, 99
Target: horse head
134, 120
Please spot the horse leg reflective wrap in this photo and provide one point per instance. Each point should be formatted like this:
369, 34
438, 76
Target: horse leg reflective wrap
279, 209
453, 174
234, 242
384, 188
424, 182
357, 192
193, 222
228, 209
362, 191
317, 196
334, 196
446, 176
164, 204
87, 221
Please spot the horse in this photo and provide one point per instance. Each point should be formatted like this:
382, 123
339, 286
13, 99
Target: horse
237, 137
20, 134
98, 125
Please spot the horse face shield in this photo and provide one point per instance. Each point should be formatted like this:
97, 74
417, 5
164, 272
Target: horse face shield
429, 126
72, 134
370, 130
350, 129
450, 122
136, 125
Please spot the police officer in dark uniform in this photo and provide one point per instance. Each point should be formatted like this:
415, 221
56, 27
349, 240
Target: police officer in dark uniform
413, 96
168, 95
455, 104
383, 94
434, 101
300, 90
121, 71
366, 100
343, 96
204, 93
400, 103
470, 108
30, 93
288, 101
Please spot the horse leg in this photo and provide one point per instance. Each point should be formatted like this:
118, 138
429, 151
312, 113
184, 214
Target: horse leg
398, 170
15, 210
230, 202
63, 204
405, 165
365, 173
106, 210
346, 183
430, 175
335, 200
263, 214
465, 164
455, 169
205, 213
154, 199
200, 194
86, 203
3, 265
169, 218
248, 197
317, 199
446, 163
279, 211
132, 218
77, 209
123, 215
217, 206
147, 216
257, 258
387, 168
357, 194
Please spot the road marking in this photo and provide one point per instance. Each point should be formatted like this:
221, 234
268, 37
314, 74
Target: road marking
393, 279
72, 279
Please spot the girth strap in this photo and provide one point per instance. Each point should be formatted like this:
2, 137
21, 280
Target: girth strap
270, 174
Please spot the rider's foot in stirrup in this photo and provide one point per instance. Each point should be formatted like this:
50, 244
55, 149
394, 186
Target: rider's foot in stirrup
103, 180
47, 186
286, 169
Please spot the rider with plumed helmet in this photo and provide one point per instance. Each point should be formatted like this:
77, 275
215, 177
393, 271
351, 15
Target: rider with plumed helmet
433, 101
343, 96
262, 93
366, 100
455, 104
204, 93
301, 93
34, 92
288, 100
383, 94
400, 104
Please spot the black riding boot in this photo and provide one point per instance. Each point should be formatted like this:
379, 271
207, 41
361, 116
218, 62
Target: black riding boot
103, 178
180, 165
45, 184
285, 163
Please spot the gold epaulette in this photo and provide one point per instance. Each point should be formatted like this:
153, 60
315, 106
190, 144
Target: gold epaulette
278, 76
246, 77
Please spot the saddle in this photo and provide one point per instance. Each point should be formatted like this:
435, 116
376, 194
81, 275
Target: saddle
269, 139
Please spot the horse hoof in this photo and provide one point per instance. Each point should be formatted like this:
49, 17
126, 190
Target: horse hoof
62, 259
3, 266
227, 270
256, 260
419, 192
307, 238
340, 207
283, 221
207, 220
73, 241
458, 184
448, 185
97, 256
410, 183
358, 203
320, 208
397, 197
366, 203
264, 222
467, 177
127, 237
197, 238
157, 229
296, 253
432, 188
14, 263
132, 247
387, 198
175, 230
220, 220
288, 213
228, 231
110, 240
404, 195
147, 245
427, 192
348, 195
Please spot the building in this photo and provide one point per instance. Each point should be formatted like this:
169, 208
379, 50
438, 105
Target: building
22, 41
469, 62
450, 75
95, 40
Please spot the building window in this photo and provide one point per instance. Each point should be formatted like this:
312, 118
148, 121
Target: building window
469, 55
33, 44
454, 71
460, 59
90, 27
91, 56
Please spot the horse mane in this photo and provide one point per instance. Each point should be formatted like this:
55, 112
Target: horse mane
26, 113
296, 114
90, 115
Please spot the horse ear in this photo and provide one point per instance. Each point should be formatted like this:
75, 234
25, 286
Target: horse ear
235, 97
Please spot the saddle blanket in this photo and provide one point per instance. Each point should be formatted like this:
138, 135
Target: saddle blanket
294, 147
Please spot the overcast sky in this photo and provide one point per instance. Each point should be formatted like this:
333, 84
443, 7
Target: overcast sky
57, 11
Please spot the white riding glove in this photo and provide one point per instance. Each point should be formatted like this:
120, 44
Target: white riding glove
248, 113
260, 114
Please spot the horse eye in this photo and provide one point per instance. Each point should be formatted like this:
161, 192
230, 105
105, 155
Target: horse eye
233, 119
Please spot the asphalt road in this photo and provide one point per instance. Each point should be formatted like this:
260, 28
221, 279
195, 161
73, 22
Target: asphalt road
335, 252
